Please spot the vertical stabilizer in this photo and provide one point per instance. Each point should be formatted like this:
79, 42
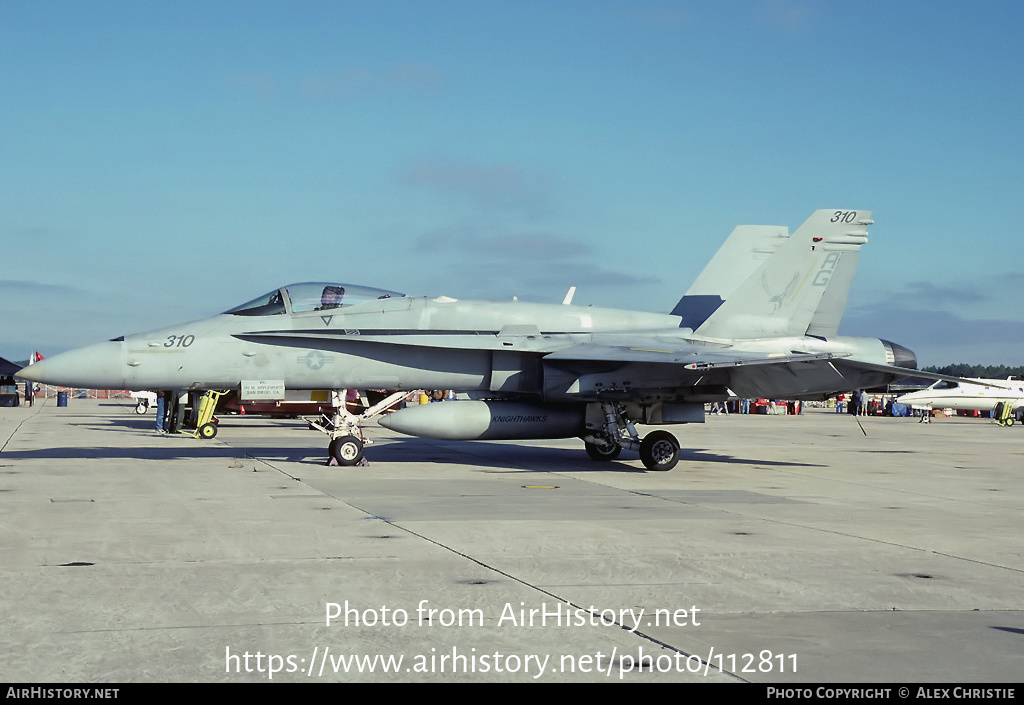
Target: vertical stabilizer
801, 289
746, 249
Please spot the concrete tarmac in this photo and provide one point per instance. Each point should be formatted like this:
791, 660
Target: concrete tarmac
781, 549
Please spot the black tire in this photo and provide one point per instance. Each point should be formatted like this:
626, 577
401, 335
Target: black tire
597, 452
347, 450
659, 450
207, 430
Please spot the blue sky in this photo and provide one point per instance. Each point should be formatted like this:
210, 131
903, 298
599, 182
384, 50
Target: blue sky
161, 162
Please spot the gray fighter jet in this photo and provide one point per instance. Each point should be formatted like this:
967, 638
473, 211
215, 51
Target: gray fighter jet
761, 321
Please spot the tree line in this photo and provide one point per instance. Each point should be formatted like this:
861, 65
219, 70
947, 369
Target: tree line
962, 369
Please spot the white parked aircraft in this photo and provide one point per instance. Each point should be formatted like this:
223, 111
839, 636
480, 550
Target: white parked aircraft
969, 393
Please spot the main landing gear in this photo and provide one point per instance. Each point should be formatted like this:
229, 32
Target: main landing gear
659, 450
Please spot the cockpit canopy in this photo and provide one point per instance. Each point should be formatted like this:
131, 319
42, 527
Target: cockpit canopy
310, 296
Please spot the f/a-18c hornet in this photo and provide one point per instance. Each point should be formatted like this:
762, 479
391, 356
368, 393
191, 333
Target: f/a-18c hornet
532, 370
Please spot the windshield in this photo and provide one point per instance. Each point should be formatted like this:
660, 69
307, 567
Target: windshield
266, 305
310, 296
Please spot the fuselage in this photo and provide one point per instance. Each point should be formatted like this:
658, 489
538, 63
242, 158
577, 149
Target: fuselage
394, 343
391, 341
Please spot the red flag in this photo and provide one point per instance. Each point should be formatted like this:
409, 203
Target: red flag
37, 356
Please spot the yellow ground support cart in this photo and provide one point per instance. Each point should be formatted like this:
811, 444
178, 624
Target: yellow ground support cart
206, 426
1004, 414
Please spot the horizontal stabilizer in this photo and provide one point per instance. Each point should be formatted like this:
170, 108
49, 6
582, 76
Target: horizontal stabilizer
905, 372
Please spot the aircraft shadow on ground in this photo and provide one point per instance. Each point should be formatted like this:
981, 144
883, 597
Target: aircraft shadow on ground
503, 456
494, 456
195, 450
531, 458
155, 446
135, 423
139, 422
1010, 630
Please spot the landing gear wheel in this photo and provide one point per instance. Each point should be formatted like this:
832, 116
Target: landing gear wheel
347, 450
597, 452
207, 430
659, 450
142, 407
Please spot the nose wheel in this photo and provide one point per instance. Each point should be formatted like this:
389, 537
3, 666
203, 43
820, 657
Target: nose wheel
347, 450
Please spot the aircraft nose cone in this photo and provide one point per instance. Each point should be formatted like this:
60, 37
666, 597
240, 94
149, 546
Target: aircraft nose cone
30, 373
902, 357
99, 366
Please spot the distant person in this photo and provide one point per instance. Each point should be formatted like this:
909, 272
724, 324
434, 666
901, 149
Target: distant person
862, 403
331, 297
840, 403
161, 412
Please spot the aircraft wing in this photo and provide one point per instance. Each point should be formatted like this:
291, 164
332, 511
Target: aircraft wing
653, 368
694, 370
701, 358
689, 357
